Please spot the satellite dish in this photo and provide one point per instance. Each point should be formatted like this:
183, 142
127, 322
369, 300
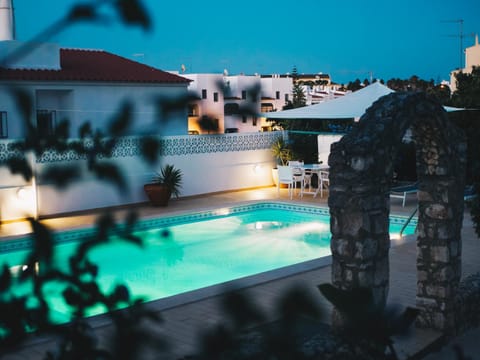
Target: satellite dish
183, 68
225, 72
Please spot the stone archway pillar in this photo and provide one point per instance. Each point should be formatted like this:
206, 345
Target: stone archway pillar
361, 168
359, 213
440, 168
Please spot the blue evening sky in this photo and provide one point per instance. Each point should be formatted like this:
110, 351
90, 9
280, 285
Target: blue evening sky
347, 39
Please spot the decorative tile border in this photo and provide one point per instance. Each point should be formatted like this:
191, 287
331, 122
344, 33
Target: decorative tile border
147, 224
172, 145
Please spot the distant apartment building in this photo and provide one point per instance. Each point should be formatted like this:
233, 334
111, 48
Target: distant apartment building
206, 101
319, 87
233, 103
472, 58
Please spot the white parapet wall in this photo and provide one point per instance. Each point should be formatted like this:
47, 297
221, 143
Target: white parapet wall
210, 163
324, 142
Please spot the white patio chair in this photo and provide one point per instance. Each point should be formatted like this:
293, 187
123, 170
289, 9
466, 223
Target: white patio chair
323, 180
307, 180
285, 176
298, 175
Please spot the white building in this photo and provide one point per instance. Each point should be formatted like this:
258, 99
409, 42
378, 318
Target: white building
86, 85
206, 92
234, 102
472, 58
276, 92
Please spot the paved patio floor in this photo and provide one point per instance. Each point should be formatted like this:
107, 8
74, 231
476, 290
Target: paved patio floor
186, 316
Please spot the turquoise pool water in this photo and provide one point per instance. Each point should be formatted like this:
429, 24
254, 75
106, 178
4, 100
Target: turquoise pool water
201, 249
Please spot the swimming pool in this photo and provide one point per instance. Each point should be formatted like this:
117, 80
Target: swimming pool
198, 250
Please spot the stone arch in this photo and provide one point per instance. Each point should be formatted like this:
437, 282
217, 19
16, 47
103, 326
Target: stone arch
361, 171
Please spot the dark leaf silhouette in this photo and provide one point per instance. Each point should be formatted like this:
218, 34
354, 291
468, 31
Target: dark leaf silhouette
129, 227
85, 130
111, 173
25, 105
216, 342
133, 13
122, 121
241, 309
61, 175
82, 12
350, 302
208, 123
366, 321
42, 247
150, 149
5, 278
62, 130
295, 302
20, 165
135, 331
401, 323
167, 106
120, 294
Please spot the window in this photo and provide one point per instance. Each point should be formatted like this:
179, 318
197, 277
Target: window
244, 94
46, 122
204, 93
192, 110
231, 109
215, 96
277, 95
3, 125
244, 119
266, 107
254, 121
286, 98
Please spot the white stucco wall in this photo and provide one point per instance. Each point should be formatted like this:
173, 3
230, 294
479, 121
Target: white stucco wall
98, 104
210, 163
270, 86
324, 143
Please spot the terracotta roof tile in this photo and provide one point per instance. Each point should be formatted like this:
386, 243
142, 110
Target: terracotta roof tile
95, 65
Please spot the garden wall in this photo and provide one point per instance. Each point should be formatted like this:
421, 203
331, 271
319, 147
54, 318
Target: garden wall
210, 163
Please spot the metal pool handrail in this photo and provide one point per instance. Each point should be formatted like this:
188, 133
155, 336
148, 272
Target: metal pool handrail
408, 221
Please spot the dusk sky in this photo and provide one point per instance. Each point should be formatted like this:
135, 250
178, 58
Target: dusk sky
347, 39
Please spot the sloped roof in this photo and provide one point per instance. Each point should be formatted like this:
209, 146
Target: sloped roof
96, 66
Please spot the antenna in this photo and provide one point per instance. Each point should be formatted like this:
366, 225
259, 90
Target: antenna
460, 35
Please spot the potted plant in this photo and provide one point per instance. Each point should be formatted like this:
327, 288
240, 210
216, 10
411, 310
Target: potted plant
164, 184
282, 153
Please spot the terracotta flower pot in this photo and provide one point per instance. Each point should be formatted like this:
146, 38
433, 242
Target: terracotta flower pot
158, 194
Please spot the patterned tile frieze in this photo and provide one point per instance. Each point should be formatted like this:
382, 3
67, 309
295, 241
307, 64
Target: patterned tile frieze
172, 145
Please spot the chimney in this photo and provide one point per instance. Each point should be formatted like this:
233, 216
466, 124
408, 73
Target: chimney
7, 20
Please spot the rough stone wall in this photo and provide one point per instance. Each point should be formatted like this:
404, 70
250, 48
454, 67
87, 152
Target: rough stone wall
440, 168
361, 170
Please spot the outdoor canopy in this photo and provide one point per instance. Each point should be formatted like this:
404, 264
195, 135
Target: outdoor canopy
351, 105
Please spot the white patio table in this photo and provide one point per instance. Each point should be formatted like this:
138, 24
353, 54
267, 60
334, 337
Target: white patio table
314, 169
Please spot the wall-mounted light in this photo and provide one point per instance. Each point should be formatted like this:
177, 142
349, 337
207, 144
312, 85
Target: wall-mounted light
22, 193
257, 168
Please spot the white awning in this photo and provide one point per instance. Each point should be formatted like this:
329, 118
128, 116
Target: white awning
351, 105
